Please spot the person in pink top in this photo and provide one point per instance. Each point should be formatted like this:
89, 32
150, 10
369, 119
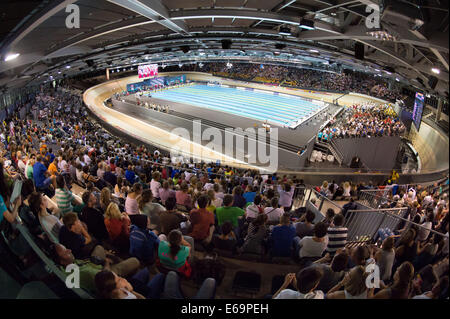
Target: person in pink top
131, 203
183, 197
165, 192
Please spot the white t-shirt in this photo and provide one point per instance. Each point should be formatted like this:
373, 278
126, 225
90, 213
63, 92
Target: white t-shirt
155, 186
252, 211
273, 214
312, 248
292, 294
423, 232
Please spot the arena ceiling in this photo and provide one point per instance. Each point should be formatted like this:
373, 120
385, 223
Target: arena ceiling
124, 33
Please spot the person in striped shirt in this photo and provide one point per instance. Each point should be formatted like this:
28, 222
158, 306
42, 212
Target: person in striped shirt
337, 234
64, 197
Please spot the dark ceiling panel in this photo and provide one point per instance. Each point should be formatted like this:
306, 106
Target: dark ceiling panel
12, 12
222, 22
266, 4
230, 3
198, 22
187, 4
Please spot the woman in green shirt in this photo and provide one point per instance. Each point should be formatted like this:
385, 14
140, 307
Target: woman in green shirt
174, 253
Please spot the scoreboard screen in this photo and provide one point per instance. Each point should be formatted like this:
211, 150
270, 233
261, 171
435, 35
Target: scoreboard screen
418, 109
146, 71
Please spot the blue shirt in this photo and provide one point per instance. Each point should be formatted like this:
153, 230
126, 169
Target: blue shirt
282, 239
143, 244
3, 208
249, 196
52, 156
130, 176
39, 170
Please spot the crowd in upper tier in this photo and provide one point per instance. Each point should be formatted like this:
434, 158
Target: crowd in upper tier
363, 120
304, 78
136, 211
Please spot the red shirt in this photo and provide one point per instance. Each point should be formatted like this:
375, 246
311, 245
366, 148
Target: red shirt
201, 220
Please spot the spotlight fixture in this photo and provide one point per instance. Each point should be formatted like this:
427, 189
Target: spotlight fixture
435, 70
313, 51
11, 56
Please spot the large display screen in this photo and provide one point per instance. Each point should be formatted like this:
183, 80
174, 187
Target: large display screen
418, 109
146, 71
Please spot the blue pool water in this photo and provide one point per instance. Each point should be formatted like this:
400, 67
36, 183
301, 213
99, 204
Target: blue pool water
276, 109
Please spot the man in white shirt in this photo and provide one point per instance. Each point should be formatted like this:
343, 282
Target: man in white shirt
312, 246
306, 281
273, 213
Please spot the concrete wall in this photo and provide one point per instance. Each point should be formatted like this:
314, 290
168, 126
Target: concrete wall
377, 153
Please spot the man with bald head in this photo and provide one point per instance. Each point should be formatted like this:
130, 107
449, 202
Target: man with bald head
90, 267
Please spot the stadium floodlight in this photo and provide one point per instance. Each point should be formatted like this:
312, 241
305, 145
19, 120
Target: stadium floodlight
67, 66
11, 56
313, 51
307, 24
397, 79
435, 70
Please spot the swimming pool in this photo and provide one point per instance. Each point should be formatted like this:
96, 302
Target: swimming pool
283, 110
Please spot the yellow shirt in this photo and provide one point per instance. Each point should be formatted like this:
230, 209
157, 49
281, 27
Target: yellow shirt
52, 168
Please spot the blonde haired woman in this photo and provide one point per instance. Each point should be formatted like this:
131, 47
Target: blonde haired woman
347, 189
117, 223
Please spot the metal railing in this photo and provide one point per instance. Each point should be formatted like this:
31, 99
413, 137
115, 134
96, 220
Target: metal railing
363, 225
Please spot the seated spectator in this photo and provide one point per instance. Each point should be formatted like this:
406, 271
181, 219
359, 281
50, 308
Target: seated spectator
349, 206
354, 284
109, 176
385, 258
228, 212
281, 238
130, 175
155, 184
238, 199
120, 189
5, 213
165, 192
143, 242
329, 215
257, 234
214, 201
93, 218
437, 292
49, 223
170, 218
424, 280
117, 223
202, 221
183, 197
227, 232
305, 228
273, 212
249, 194
286, 192
174, 253
254, 209
65, 198
424, 231
333, 273
337, 235
88, 269
151, 210
426, 251
306, 282
312, 247
131, 202
401, 286
41, 176
74, 236
111, 286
